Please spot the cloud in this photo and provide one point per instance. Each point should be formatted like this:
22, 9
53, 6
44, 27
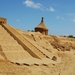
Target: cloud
63, 18
71, 17
52, 9
59, 17
32, 4
71, 14
73, 20
18, 20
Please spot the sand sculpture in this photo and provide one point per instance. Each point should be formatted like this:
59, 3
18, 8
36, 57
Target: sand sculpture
32, 53
42, 28
17, 48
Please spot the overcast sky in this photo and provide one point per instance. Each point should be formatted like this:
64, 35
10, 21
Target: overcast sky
59, 15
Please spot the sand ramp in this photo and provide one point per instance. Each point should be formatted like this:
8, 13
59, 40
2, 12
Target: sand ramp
19, 50
24, 42
10, 47
15, 52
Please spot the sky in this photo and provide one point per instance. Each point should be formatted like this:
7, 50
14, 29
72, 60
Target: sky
59, 15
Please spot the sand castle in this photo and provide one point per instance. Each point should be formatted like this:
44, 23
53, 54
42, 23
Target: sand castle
35, 53
17, 48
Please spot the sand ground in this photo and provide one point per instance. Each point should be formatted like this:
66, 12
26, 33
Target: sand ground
66, 67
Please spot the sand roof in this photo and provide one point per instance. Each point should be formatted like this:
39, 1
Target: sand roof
42, 25
2, 18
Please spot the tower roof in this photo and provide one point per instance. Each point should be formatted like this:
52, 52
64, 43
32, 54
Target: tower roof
42, 25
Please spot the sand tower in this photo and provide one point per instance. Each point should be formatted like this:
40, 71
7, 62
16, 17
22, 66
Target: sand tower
42, 28
2, 20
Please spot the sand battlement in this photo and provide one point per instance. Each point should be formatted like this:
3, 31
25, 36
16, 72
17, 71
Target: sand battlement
3, 20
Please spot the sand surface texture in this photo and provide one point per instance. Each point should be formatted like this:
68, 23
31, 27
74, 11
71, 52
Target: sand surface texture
31, 53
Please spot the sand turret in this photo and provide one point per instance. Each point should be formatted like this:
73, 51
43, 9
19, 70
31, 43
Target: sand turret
42, 27
2, 20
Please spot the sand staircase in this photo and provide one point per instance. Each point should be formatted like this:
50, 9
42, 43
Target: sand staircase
17, 49
10, 47
31, 49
